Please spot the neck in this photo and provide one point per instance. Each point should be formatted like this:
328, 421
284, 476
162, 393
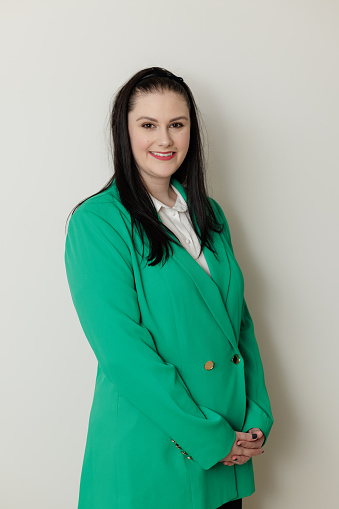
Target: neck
162, 191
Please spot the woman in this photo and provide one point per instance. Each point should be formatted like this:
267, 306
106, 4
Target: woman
180, 404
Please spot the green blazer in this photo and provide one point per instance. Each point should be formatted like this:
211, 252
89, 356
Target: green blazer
161, 418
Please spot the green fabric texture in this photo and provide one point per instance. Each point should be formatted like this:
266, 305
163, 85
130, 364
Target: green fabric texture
160, 422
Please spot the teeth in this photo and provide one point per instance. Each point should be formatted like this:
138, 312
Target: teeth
162, 155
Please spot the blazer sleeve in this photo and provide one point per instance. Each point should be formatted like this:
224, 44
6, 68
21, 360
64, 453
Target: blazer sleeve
100, 276
258, 408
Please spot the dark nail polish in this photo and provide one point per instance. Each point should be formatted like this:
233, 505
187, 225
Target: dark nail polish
254, 435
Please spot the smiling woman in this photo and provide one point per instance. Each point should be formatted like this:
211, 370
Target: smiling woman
180, 406
159, 130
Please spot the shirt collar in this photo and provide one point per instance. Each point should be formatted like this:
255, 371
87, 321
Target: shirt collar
180, 205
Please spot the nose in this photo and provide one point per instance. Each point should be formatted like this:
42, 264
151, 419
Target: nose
164, 138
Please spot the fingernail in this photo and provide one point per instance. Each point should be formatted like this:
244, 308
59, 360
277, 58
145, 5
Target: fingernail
254, 435
238, 443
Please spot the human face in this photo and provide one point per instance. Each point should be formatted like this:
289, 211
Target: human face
159, 131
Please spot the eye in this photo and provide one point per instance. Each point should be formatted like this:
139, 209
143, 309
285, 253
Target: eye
147, 126
176, 125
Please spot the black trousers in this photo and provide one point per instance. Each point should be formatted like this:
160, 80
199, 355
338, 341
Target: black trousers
234, 504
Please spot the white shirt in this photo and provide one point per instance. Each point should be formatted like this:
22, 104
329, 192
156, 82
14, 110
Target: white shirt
178, 220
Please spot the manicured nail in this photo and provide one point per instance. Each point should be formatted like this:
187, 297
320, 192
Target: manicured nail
238, 443
254, 435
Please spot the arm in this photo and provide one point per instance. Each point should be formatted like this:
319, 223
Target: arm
100, 276
258, 413
258, 409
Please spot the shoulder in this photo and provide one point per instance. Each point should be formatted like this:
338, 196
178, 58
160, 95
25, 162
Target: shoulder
220, 215
101, 222
218, 210
99, 225
103, 208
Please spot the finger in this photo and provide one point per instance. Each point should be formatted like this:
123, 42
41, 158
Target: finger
256, 444
229, 463
240, 460
247, 437
251, 452
257, 431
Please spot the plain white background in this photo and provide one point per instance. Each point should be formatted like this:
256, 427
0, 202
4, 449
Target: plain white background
265, 76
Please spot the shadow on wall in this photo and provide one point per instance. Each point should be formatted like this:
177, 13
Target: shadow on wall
282, 440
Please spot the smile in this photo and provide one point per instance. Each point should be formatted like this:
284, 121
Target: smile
164, 156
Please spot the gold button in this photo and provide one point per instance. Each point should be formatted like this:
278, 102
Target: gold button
189, 457
183, 452
209, 365
236, 359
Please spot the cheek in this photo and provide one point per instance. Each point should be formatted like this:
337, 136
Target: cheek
184, 141
138, 142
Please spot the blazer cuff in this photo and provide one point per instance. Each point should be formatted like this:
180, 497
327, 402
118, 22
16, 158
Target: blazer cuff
257, 418
220, 441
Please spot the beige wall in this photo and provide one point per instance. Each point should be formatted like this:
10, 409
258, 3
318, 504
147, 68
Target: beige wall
265, 76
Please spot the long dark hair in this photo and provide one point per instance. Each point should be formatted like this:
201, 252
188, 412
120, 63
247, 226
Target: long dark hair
191, 174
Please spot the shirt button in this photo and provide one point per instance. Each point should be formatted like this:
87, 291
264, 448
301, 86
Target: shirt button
188, 241
173, 213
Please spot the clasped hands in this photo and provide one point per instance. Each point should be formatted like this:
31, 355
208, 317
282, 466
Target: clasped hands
246, 445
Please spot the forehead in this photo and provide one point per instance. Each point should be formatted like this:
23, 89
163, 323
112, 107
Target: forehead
160, 103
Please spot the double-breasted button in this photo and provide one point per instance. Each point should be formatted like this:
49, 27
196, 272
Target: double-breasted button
236, 359
209, 365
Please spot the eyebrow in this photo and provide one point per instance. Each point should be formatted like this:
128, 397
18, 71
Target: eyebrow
154, 120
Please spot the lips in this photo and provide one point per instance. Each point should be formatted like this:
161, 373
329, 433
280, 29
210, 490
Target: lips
163, 156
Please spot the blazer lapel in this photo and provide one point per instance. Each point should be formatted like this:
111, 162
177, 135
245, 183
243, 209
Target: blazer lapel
214, 289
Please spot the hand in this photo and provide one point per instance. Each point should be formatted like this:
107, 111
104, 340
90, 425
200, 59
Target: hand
257, 443
245, 447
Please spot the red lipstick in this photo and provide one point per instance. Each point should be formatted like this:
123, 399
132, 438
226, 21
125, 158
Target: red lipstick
163, 157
